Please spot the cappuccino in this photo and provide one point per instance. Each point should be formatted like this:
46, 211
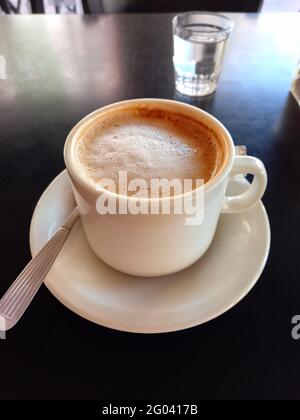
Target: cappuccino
148, 141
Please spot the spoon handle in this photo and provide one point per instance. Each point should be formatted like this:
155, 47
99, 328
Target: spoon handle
16, 300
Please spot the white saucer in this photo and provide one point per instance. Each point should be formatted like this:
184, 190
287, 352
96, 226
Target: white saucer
210, 287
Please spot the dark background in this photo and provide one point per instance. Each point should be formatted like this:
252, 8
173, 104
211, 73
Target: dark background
137, 6
62, 68
172, 6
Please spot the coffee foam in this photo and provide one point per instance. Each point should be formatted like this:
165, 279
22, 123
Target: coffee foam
149, 142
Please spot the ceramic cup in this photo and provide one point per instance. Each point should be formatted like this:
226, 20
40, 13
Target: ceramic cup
160, 244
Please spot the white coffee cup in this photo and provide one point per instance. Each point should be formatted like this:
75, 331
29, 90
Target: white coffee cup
151, 244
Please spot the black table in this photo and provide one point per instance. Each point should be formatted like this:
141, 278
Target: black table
60, 69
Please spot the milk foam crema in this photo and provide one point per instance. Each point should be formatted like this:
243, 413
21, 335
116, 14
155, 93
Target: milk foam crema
148, 142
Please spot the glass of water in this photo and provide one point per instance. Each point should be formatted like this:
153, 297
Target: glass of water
199, 45
295, 89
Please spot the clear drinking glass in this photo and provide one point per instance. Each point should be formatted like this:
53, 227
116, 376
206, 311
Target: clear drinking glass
295, 89
199, 45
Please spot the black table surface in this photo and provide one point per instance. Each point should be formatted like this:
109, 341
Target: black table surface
60, 69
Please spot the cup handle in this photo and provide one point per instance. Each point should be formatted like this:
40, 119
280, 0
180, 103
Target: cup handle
242, 202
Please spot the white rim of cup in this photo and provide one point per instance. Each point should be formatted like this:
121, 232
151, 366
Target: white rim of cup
90, 185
